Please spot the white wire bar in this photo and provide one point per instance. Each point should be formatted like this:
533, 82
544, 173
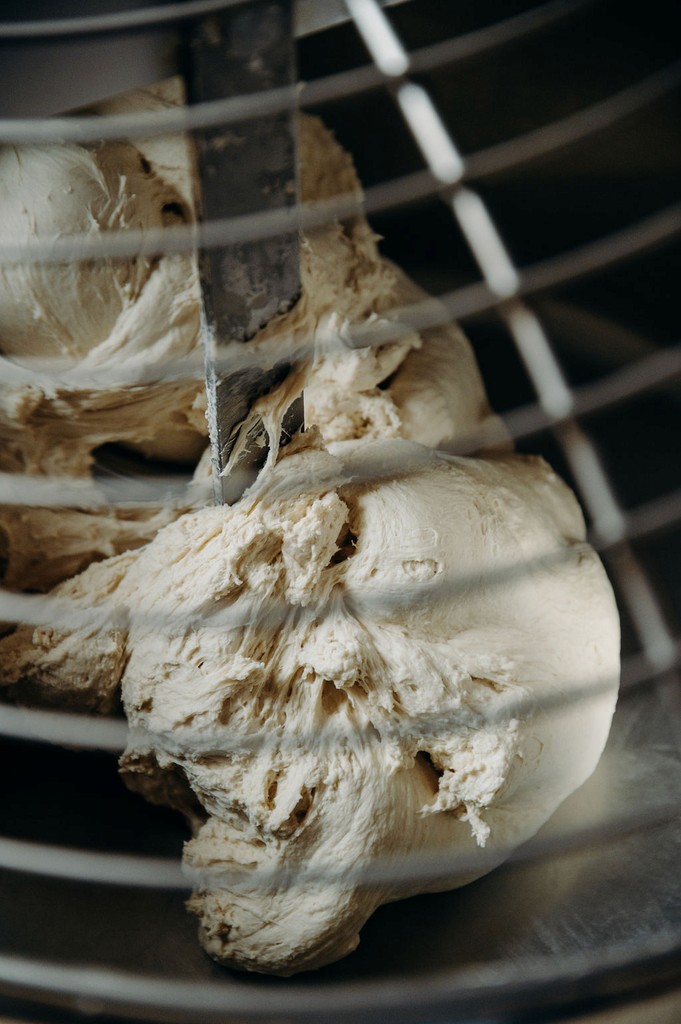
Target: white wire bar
63, 613
63, 728
539, 980
113, 21
132, 870
310, 17
230, 111
351, 83
539, 142
393, 57
96, 867
444, 162
535, 350
91, 732
636, 379
409, 188
469, 300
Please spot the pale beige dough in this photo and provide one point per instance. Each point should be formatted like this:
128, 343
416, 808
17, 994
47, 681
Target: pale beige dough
129, 317
381, 651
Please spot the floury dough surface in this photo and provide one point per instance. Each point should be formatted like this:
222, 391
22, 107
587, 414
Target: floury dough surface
100, 317
105, 319
379, 651
373, 655
124, 318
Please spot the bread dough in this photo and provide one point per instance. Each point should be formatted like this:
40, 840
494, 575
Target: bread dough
116, 319
380, 651
379, 670
101, 317
377, 652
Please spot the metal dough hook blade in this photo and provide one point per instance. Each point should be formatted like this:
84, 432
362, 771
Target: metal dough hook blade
244, 168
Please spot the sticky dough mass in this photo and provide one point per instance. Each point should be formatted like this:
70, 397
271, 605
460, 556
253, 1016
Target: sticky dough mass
380, 669
129, 318
357, 616
101, 317
399, 633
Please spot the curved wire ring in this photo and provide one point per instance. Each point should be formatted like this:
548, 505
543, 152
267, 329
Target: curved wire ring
95, 128
529, 984
140, 871
111, 735
409, 188
114, 21
644, 375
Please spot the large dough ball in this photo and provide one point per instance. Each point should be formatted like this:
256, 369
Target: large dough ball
380, 652
387, 652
